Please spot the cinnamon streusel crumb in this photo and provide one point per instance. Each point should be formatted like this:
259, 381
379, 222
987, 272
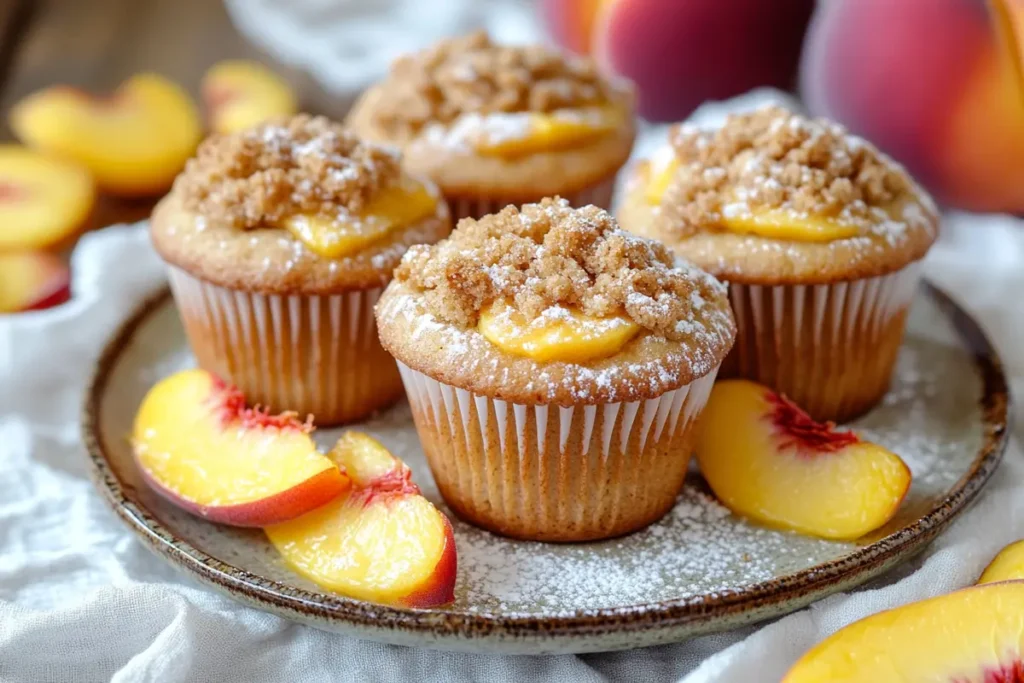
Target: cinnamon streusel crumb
473, 74
305, 164
773, 158
549, 254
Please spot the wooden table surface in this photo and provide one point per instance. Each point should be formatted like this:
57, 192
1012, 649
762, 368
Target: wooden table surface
95, 44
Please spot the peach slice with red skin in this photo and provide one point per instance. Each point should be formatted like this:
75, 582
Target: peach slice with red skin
1005, 566
768, 460
32, 280
974, 635
240, 94
44, 202
134, 142
199, 446
381, 541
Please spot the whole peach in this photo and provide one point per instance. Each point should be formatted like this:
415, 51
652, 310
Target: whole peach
936, 83
682, 52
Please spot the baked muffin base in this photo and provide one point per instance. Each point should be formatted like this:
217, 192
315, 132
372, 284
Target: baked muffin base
831, 348
598, 194
552, 473
312, 354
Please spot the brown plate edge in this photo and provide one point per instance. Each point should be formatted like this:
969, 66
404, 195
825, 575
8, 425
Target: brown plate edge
587, 630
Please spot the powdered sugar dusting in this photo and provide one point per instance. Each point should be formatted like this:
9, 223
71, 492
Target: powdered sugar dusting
930, 417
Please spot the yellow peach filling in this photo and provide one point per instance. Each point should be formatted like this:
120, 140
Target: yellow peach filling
559, 334
559, 130
774, 223
393, 208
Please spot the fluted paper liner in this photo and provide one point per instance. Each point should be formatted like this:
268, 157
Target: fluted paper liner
556, 473
599, 194
830, 348
316, 355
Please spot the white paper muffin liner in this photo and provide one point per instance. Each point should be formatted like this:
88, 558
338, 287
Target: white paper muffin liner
599, 195
831, 348
316, 355
552, 472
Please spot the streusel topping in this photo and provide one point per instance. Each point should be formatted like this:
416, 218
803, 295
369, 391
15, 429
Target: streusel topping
473, 74
773, 158
549, 254
306, 164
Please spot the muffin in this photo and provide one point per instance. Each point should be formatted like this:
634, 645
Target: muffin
279, 240
494, 125
556, 367
819, 236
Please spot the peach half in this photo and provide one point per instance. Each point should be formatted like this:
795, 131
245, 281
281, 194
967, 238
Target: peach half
768, 460
381, 541
1007, 565
201, 448
32, 280
44, 202
240, 94
972, 635
134, 142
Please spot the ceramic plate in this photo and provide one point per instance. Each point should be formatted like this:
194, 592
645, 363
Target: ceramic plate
700, 569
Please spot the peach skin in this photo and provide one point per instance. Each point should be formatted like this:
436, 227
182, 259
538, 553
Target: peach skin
382, 541
768, 460
936, 83
974, 635
684, 52
44, 202
239, 94
1007, 565
32, 281
134, 142
201, 448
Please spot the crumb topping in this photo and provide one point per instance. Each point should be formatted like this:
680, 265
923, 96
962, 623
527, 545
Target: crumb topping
547, 255
774, 158
471, 74
305, 164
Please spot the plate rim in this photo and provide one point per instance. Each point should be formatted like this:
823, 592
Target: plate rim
695, 614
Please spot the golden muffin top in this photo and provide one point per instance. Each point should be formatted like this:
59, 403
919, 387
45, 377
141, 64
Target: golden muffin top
550, 261
773, 196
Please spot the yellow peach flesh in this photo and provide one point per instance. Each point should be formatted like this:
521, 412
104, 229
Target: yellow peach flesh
182, 442
380, 552
42, 200
1007, 565
31, 280
558, 130
135, 142
759, 471
393, 208
561, 334
381, 541
240, 94
975, 634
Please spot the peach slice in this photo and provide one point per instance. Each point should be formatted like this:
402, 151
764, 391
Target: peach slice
561, 334
974, 634
44, 202
382, 541
32, 280
134, 142
1008, 564
200, 447
240, 94
556, 131
767, 459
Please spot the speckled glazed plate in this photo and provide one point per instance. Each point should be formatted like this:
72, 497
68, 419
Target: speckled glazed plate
700, 569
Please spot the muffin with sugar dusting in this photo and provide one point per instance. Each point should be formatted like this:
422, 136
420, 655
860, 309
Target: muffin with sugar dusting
819, 236
556, 366
494, 125
279, 240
